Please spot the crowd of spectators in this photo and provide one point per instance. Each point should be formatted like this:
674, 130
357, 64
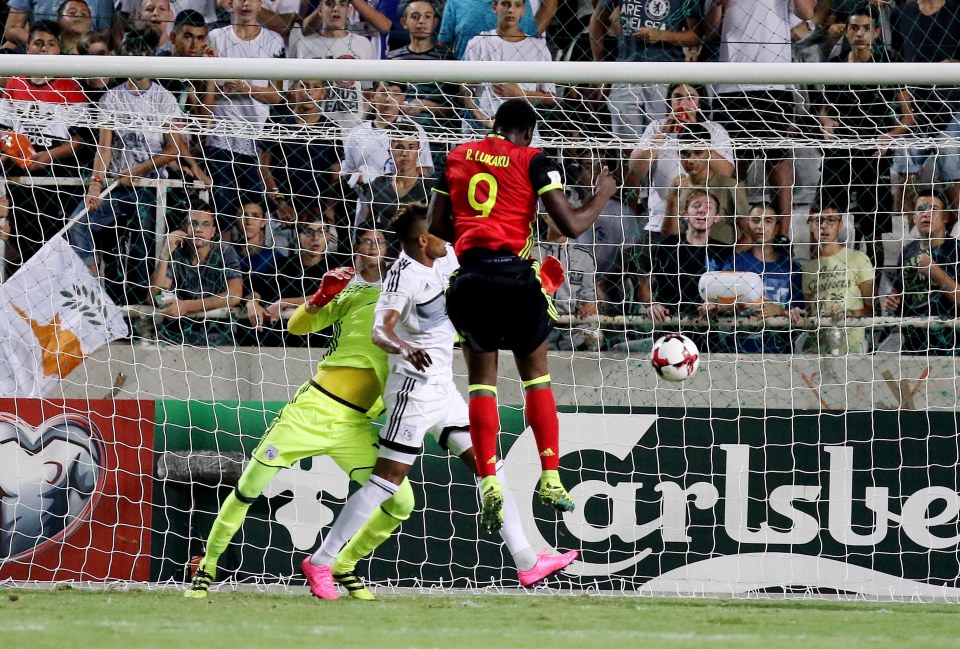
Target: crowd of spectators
291, 178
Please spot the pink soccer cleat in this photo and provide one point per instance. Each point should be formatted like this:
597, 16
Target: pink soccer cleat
320, 579
546, 566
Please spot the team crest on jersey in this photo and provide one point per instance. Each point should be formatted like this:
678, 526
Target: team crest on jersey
657, 9
271, 453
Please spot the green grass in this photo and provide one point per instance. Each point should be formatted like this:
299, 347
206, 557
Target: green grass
80, 619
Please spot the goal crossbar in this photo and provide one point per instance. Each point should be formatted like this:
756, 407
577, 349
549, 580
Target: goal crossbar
480, 71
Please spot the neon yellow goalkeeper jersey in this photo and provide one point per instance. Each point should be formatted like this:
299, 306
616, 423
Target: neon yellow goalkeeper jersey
351, 314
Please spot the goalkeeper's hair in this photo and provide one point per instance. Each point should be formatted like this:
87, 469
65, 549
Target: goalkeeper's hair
409, 222
515, 116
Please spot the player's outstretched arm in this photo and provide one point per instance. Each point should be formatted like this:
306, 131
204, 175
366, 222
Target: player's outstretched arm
385, 337
574, 221
334, 281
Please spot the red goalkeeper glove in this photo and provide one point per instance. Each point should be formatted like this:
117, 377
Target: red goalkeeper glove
551, 274
332, 283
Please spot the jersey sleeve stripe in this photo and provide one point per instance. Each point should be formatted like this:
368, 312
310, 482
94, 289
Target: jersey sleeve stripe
543, 190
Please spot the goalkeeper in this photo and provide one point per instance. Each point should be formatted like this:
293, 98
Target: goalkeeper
329, 415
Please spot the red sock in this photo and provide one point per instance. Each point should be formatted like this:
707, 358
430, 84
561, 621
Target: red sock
484, 426
541, 413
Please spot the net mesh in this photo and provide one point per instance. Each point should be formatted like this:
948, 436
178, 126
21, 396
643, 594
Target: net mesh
804, 237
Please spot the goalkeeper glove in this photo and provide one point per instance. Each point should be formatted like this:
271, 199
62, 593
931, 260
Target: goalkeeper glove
332, 283
551, 274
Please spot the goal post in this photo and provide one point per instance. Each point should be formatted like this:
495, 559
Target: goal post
814, 452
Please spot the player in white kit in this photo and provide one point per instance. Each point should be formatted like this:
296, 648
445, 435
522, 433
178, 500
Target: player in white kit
411, 325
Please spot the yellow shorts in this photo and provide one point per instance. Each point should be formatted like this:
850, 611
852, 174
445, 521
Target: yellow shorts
314, 424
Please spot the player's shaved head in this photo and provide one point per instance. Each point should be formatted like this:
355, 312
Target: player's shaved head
410, 222
515, 116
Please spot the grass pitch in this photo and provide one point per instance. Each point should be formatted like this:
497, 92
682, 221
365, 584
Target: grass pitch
79, 619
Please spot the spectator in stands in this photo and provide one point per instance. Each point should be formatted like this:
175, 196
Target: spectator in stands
366, 148
649, 32
46, 112
94, 44
700, 171
928, 31
370, 20
616, 232
577, 296
782, 291
857, 180
233, 159
403, 184
506, 42
298, 276
925, 278
256, 256
463, 20
190, 38
680, 260
298, 170
430, 104
203, 274
129, 10
656, 166
837, 283
344, 102
759, 31
25, 12
143, 136
74, 21
157, 16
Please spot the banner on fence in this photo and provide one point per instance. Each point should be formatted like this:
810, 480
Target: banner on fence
75, 489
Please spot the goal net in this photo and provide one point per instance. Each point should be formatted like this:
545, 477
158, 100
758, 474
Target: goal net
162, 217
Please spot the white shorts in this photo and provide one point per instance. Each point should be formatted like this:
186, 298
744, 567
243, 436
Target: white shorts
414, 409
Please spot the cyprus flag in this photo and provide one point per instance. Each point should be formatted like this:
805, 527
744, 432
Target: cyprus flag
53, 313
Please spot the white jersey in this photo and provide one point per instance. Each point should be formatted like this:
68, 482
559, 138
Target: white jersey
367, 150
344, 102
488, 46
139, 120
417, 293
238, 112
755, 31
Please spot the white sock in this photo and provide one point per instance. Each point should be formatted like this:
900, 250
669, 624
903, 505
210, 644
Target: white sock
512, 531
360, 506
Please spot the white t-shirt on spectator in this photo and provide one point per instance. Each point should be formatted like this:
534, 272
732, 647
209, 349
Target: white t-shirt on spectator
237, 112
488, 46
367, 149
755, 31
139, 121
667, 165
344, 103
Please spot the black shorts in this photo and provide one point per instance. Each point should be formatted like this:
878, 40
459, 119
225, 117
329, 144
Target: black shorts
764, 114
495, 301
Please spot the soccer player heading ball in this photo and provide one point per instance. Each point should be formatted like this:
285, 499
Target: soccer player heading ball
486, 205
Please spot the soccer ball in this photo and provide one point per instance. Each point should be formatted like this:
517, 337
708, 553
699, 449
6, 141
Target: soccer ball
675, 358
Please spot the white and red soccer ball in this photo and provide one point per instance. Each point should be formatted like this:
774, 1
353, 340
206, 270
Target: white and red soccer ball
675, 358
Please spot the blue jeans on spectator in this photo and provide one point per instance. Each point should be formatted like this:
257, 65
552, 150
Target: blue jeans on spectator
946, 158
133, 213
232, 175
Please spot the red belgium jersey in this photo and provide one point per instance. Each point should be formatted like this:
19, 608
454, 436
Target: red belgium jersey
494, 186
